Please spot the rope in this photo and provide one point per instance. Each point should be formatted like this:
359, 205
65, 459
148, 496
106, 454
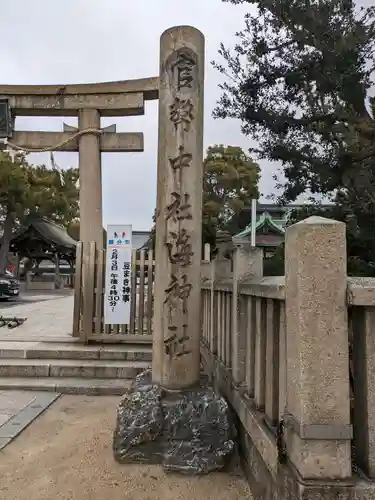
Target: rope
58, 146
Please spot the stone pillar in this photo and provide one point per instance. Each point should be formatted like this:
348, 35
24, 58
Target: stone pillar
317, 420
247, 263
90, 179
161, 420
363, 326
176, 338
207, 252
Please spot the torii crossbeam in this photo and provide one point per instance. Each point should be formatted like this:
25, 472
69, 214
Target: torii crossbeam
89, 102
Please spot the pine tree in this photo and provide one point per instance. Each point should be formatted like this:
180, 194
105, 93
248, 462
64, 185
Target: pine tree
27, 190
299, 79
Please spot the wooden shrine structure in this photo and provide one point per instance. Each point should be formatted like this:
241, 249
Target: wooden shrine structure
38, 241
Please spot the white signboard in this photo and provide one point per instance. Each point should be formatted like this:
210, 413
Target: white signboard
118, 275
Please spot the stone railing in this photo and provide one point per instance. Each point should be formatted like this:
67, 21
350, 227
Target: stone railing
243, 348
257, 313
361, 321
277, 348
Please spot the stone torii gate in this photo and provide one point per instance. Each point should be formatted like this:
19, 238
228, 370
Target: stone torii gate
89, 102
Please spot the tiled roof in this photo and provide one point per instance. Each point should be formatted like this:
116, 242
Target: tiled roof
265, 219
48, 231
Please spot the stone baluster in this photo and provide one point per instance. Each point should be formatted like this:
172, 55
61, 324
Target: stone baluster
247, 262
178, 249
363, 324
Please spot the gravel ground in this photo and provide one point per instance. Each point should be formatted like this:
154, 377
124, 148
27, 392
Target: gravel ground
66, 454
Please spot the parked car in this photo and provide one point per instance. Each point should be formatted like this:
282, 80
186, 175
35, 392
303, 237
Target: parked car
9, 286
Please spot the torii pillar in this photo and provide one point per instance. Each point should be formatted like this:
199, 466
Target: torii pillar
90, 179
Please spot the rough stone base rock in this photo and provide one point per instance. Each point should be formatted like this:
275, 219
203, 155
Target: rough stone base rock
185, 431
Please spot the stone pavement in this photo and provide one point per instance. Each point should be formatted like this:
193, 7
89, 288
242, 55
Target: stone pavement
18, 409
50, 320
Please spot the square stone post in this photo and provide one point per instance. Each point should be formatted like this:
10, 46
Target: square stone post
247, 263
317, 420
207, 252
221, 268
363, 335
171, 416
178, 249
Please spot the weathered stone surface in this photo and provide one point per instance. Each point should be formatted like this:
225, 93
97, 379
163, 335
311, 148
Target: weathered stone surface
317, 346
198, 430
177, 318
139, 423
187, 431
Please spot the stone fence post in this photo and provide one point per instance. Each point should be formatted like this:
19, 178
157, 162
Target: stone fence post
218, 269
206, 263
317, 419
247, 263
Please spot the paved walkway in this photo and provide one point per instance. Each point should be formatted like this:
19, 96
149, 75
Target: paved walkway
66, 454
31, 297
18, 409
49, 320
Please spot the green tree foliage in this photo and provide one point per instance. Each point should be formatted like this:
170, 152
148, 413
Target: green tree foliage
298, 80
275, 265
26, 190
54, 194
360, 249
360, 252
14, 180
230, 181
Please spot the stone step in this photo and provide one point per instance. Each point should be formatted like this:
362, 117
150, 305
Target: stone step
69, 385
82, 368
124, 352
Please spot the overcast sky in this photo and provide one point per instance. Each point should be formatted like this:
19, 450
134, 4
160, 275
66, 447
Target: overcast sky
82, 41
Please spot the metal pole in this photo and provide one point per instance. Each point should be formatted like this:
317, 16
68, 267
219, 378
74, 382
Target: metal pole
253, 220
